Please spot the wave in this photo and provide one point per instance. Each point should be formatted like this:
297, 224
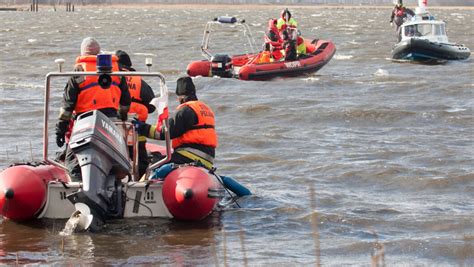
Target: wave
343, 57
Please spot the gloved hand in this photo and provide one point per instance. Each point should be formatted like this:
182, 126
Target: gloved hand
391, 23
122, 115
61, 129
142, 128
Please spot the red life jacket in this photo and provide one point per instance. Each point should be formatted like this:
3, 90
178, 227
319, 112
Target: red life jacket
135, 87
400, 12
91, 95
202, 133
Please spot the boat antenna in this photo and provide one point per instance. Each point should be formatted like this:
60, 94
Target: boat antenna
148, 63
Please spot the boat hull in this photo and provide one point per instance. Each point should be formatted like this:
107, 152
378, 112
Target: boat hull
423, 50
187, 193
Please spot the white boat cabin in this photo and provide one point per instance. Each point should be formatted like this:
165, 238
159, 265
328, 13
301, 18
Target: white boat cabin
425, 27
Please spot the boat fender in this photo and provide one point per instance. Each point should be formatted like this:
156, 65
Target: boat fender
235, 186
226, 19
161, 172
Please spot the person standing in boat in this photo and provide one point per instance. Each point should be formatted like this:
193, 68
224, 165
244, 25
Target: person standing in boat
141, 94
292, 41
83, 94
286, 21
192, 129
399, 15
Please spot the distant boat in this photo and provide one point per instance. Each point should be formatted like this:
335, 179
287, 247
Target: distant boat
423, 38
246, 66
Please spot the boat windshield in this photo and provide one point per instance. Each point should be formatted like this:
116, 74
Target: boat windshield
424, 29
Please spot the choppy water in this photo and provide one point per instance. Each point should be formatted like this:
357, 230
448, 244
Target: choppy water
366, 156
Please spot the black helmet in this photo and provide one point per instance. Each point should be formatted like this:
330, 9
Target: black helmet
123, 59
185, 86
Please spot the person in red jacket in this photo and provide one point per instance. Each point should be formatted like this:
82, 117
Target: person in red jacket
399, 15
192, 129
273, 40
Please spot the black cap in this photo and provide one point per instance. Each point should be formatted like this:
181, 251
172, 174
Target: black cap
185, 86
123, 59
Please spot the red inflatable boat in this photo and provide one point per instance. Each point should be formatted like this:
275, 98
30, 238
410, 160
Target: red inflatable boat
245, 67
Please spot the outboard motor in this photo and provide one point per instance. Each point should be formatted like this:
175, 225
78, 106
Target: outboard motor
102, 153
221, 65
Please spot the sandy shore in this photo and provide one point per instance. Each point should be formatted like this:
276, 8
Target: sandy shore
232, 6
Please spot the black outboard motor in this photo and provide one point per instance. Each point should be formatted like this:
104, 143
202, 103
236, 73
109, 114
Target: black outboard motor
102, 153
221, 65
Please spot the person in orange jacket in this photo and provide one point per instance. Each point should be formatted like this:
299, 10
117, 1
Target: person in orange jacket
141, 94
83, 94
192, 129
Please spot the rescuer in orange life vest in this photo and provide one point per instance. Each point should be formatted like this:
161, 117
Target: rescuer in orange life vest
141, 94
83, 94
192, 129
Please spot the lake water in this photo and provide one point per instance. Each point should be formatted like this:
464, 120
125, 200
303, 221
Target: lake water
365, 162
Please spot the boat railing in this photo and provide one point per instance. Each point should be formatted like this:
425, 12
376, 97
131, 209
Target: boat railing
126, 125
225, 20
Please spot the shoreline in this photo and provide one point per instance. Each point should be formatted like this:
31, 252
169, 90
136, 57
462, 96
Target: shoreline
227, 6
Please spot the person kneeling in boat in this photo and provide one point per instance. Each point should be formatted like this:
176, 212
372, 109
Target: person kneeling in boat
83, 94
141, 94
192, 129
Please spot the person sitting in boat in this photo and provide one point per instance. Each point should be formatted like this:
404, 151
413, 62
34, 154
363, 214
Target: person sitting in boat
399, 15
141, 94
289, 45
266, 55
300, 45
82, 94
192, 129
273, 40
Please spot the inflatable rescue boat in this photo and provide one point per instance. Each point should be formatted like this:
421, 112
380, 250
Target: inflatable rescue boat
247, 67
110, 186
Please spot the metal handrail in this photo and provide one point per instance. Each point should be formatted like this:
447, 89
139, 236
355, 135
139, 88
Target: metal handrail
49, 77
207, 34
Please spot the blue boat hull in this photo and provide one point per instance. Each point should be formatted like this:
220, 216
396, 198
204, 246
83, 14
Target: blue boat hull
423, 50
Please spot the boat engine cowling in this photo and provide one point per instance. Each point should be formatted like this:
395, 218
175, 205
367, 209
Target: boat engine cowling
102, 153
221, 65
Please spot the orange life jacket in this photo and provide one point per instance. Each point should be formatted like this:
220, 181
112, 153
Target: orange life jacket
135, 87
202, 133
91, 95
265, 57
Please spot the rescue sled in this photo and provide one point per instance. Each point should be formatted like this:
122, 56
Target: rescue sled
246, 66
110, 186
424, 39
